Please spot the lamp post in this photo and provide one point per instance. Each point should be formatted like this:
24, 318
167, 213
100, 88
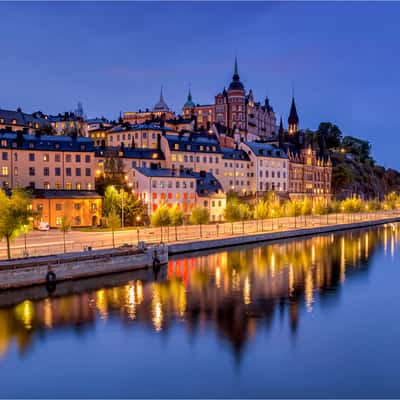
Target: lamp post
25, 230
138, 218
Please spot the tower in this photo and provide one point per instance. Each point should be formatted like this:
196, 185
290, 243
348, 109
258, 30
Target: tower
236, 101
161, 105
281, 134
293, 120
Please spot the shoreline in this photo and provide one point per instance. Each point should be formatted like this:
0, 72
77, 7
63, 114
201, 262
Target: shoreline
209, 244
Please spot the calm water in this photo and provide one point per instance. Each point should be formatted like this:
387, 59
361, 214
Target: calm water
310, 318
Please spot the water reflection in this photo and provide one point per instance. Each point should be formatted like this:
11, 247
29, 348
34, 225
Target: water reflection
232, 292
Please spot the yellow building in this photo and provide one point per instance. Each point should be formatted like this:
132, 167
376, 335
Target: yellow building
80, 207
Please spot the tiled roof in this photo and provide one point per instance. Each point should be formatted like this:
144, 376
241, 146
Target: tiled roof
44, 142
22, 119
206, 183
266, 150
234, 154
194, 142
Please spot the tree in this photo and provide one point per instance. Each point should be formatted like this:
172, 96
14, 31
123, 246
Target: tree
199, 216
161, 217
65, 227
113, 222
261, 212
176, 218
15, 214
114, 173
244, 214
331, 132
306, 208
232, 211
294, 209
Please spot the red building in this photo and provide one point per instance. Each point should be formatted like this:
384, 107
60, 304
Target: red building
235, 109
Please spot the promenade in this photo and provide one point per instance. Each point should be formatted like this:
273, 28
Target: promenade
39, 243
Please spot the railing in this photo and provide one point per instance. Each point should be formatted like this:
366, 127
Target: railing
78, 240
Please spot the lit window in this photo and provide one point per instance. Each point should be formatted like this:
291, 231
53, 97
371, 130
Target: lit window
4, 171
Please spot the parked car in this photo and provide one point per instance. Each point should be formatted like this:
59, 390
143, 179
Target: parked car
44, 226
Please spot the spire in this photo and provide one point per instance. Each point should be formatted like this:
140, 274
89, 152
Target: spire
281, 133
236, 84
236, 73
189, 102
161, 105
293, 120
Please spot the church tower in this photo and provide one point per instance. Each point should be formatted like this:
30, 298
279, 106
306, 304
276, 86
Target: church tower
236, 101
293, 120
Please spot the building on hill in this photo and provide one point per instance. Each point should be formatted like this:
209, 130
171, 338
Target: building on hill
46, 162
235, 109
68, 124
17, 120
270, 167
183, 187
160, 110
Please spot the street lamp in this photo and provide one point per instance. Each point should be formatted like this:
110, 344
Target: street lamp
138, 218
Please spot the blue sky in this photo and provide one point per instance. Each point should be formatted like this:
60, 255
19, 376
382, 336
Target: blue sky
342, 57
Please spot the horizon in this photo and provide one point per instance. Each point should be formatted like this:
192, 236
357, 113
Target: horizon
110, 58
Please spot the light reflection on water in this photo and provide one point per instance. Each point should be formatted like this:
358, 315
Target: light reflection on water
234, 294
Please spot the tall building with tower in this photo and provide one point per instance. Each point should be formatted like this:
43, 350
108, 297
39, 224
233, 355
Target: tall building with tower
235, 109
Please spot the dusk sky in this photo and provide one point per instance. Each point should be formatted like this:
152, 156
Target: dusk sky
342, 57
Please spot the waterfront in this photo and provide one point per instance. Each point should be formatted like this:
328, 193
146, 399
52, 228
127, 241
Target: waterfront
308, 318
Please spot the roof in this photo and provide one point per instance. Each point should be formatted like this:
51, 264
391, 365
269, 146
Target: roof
234, 154
266, 150
206, 183
293, 117
236, 84
139, 127
161, 105
65, 194
21, 118
141, 153
189, 102
194, 142
45, 142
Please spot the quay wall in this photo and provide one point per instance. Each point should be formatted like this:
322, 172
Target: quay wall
207, 244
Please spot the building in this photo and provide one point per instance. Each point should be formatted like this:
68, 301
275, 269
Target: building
46, 162
270, 166
183, 187
198, 151
237, 172
146, 135
69, 123
160, 110
17, 120
235, 109
81, 208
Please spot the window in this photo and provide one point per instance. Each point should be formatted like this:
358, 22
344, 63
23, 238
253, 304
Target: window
93, 207
68, 171
57, 158
31, 171
68, 185
177, 184
88, 172
58, 185
58, 220
46, 171
31, 156
15, 171
77, 171
46, 157
77, 206
4, 156
77, 158
205, 203
154, 184
57, 171
15, 157
87, 158
89, 186
77, 220
46, 185
78, 186
39, 208
4, 171
68, 158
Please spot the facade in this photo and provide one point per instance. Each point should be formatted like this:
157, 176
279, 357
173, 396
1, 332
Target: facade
270, 166
236, 110
46, 162
183, 187
143, 136
69, 123
81, 208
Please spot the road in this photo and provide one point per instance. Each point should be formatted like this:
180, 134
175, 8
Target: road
50, 242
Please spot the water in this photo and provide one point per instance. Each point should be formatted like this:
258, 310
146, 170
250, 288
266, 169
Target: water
309, 318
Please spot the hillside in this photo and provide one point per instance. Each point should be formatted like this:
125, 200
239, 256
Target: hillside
354, 169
